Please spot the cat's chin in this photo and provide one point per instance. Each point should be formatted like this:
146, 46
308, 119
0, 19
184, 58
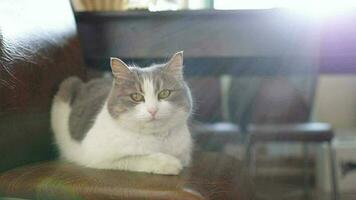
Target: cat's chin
155, 120
155, 123
155, 127
146, 126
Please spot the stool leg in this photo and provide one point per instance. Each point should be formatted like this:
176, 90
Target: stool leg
305, 170
334, 186
250, 158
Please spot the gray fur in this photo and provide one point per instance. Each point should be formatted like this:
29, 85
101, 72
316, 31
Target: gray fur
90, 97
69, 88
87, 104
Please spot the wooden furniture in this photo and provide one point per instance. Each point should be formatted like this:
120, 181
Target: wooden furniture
214, 42
305, 133
38, 49
238, 42
279, 112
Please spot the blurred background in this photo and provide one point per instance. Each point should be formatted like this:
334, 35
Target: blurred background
264, 75
273, 82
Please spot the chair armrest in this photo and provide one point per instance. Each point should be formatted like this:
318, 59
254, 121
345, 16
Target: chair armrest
303, 132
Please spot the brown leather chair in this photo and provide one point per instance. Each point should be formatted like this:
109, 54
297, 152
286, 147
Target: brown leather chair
38, 49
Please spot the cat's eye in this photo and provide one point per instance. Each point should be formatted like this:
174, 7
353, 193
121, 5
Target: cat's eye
137, 97
164, 94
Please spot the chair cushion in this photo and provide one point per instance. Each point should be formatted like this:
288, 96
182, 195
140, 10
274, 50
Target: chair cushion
211, 176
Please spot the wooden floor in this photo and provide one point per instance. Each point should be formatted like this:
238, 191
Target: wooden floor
283, 179
279, 189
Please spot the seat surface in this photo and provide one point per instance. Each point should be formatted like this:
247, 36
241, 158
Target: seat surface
303, 132
211, 176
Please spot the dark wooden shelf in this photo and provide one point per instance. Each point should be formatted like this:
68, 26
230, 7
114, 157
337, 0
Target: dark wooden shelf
256, 39
180, 13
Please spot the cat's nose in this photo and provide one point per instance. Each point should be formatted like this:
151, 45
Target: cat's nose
152, 111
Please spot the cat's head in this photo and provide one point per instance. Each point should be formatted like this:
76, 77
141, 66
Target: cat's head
150, 99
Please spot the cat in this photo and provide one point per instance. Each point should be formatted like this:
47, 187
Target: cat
135, 121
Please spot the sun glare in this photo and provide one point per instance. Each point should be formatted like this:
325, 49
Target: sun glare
313, 8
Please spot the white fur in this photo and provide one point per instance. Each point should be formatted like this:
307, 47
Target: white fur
133, 141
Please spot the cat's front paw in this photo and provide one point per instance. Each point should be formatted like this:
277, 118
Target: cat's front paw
164, 164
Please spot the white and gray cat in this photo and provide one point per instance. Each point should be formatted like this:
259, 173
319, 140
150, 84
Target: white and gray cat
135, 122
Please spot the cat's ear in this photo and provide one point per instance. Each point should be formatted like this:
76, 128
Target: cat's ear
119, 68
175, 65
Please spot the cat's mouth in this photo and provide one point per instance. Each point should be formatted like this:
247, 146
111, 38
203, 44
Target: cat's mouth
154, 119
